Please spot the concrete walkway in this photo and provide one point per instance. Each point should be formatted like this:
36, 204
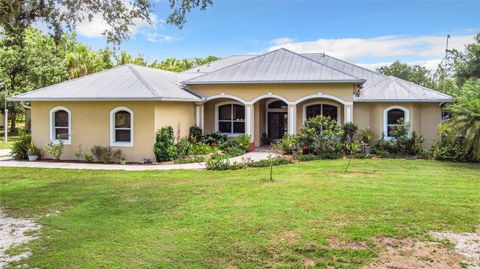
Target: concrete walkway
4, 152
9, 162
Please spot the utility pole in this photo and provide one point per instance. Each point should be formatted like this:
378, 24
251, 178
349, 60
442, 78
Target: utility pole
445, 64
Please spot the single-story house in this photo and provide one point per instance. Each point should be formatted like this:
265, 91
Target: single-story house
269, 94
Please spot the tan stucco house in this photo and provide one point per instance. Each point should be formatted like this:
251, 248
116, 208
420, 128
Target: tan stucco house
269, 94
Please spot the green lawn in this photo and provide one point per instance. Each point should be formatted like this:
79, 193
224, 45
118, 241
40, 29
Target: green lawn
236, 219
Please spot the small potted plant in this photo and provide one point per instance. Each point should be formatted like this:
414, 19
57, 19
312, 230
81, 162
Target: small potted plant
33, 152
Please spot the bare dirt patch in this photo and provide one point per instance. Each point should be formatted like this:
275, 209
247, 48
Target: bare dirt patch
13, 233
413, 254
466, 244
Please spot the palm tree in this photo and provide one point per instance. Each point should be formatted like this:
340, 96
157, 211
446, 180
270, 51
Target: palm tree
464, 123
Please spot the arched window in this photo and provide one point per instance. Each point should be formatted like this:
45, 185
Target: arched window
392, 116
230, 118
317, 109
121, 127
60, 125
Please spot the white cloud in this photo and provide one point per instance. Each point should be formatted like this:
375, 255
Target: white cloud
157, 37
282, 41
352, 49
97, 26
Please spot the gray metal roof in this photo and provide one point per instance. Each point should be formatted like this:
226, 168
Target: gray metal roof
278, 66
127, 82
393, 89
370, 76
218, 64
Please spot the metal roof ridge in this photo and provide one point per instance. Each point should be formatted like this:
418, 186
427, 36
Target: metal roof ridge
305, 57
143, 81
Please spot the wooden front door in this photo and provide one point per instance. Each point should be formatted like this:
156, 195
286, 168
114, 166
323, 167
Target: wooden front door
277, 124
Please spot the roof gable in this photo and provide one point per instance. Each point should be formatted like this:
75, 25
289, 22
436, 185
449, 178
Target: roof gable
279, 66
399, 90
128, 82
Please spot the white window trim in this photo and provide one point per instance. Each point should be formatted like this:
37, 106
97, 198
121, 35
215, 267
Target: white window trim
304, 109
113, 143
217, 117
385, 118
52, 125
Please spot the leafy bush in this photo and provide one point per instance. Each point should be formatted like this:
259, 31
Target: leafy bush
183, 148
366, 136
322, 136
218, 161
55, 149
196, 134
33, 150
233, 151
451, 150
88, 158
201, 149
289, 144
349, 132
266, 163
106, 154
215, 139
400, 143
352, 148
164, 147
20, 148
242, 141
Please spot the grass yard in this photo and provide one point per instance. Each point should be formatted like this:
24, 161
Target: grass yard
236, 219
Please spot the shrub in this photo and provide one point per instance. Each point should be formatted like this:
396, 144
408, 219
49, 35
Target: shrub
164, 147
401, 143
242, 141
79, 154
201, 149
196, 134
352, 148
215, 139
322, 136
20, 148
233, 150
451, 150
55, 149
33, 150
183, 148
88, 158
349, 131
266, 163
106, 154
366, 136
193, 159
288, 145
218, 161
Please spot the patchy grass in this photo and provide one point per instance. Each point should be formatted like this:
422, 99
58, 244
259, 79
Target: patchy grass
236, 219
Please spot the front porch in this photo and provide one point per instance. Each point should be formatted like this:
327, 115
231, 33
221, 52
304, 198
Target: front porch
266, 118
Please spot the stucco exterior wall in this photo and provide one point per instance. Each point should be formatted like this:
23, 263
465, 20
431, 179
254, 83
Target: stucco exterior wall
179, 115
91, 126
424, 118
291, 92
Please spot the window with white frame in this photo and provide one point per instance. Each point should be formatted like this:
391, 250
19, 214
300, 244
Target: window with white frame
231, 118
318, 109
121, 127
392, 117
60, 122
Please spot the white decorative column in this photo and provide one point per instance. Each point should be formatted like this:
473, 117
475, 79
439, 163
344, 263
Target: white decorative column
292, 119
348, 113
250, 121
199, 110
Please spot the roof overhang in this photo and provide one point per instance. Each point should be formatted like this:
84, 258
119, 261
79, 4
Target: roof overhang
102, 99
191, 82
402, 100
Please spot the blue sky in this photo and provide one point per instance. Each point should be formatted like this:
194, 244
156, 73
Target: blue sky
365, 32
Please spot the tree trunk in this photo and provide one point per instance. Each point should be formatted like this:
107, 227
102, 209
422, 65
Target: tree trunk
13, 120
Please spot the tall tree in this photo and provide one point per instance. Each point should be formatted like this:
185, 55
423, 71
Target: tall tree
18, 15
466, 64
414, 73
